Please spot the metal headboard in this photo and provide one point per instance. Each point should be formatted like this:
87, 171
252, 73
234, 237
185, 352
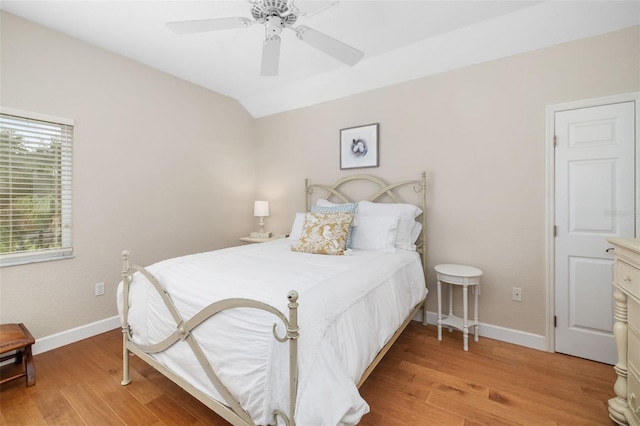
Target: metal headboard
382, 189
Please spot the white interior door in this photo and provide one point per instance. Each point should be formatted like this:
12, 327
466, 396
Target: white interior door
594, 190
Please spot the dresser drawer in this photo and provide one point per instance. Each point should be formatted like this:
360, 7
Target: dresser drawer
628, 277
633, 315
633, 353
633, 397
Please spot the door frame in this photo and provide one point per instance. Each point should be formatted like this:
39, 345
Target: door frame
550, 195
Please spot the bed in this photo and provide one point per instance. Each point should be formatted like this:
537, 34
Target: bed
276, 333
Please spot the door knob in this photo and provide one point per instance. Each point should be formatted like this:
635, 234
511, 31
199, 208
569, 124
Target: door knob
609, 249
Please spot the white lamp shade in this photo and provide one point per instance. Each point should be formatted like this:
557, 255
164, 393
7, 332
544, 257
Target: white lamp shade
261, 209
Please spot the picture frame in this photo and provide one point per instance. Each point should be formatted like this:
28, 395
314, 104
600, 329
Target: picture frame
359, 147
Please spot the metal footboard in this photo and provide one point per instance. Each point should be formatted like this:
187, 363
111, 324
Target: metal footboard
231, 409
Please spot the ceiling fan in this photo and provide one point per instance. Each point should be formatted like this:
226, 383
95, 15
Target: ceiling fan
275, 15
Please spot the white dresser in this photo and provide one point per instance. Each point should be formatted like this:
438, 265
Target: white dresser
624, 409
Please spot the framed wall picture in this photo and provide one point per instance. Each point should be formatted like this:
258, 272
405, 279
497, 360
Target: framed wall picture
359, 147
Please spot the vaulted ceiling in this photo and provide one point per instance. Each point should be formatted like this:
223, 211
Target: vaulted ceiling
401, 40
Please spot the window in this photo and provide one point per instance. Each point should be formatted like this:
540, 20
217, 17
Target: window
35, 187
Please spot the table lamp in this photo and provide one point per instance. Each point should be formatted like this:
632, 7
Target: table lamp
261, 210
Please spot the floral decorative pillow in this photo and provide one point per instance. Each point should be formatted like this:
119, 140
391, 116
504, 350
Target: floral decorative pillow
324, 233
324, 206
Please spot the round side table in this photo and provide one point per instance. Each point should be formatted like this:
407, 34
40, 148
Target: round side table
465, 276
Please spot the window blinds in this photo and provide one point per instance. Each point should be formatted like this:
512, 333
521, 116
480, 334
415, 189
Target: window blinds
35, 188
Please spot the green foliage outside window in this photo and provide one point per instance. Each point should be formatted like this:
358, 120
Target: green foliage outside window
30, 192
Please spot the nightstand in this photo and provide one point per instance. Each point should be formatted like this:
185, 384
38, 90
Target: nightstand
465, 276
251, 240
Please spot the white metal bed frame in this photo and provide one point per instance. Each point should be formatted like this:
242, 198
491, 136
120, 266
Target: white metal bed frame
232, 410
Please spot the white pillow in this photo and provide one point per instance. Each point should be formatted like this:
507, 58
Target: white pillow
406, 214
296, 228
388, 209
415, 233
375, 233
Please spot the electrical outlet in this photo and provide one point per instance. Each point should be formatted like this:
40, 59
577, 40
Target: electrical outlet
517, 294
99, 289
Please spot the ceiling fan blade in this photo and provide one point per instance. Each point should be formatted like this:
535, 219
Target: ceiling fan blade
302, 12
270, 56
201, 25
329, 45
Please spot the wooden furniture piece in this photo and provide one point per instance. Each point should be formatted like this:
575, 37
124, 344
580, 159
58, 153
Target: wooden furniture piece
465, 276
624, 409
16, 337
252, 240
231, 409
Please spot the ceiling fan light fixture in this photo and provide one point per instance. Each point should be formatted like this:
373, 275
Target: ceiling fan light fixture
273, 25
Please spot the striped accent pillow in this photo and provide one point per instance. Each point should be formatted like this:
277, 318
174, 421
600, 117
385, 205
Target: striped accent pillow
338, 208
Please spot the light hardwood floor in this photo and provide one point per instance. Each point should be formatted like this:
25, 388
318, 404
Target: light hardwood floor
420, 382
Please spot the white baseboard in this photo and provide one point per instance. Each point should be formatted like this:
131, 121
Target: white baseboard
517, 337
63, 338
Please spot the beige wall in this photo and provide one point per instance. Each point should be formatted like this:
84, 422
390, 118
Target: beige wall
153, 156
152, 160
479, 132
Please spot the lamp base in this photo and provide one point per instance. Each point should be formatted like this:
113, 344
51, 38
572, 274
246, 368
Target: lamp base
260, 235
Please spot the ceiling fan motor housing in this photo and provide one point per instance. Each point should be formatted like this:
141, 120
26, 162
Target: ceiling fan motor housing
265, 9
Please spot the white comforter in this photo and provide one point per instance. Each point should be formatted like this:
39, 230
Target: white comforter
349, 307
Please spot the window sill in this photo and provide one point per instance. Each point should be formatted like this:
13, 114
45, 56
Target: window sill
26, 258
